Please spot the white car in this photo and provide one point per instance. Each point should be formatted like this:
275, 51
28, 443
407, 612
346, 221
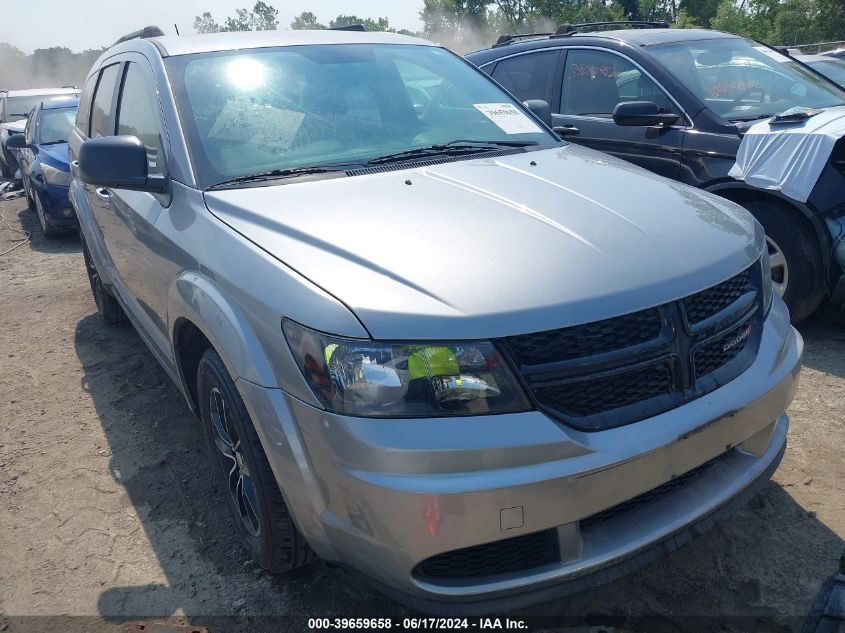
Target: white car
15, 106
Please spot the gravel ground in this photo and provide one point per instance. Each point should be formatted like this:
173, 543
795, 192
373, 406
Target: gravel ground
108, 508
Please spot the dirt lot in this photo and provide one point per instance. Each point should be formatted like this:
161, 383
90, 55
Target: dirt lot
108, 510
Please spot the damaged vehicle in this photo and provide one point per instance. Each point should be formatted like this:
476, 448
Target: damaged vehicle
426, 339
683, 103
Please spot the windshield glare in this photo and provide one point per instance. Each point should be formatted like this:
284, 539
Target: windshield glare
55, 125
306, 106
741, 79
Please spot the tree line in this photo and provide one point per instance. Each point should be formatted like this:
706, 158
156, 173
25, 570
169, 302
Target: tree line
468, 23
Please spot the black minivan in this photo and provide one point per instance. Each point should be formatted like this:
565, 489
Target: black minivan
678, 102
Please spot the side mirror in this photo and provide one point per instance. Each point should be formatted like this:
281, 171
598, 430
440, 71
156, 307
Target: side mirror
641, 113
16, 141
541, 109
119, 162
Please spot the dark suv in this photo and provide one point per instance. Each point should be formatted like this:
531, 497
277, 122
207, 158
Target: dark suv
678, 102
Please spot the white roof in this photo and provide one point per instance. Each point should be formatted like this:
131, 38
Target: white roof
36, 92
210, 42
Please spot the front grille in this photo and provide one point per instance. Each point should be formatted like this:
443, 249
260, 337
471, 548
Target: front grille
586, 340
616, 371
708, 303
592, 396
511, 555
720, 350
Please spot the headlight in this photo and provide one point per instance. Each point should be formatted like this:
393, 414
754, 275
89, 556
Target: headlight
55, 176
374, 379
768, 290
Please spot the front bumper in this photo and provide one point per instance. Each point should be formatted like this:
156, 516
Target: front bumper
382, 496
57, 207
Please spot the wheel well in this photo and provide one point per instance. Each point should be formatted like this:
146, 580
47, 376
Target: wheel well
190, 345
741, 196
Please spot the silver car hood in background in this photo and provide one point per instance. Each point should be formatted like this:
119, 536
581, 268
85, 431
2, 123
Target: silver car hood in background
483, 248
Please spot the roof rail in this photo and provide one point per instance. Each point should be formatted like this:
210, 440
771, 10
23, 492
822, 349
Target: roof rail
349, 27
567, 29
71, 86
507, 38
147, 31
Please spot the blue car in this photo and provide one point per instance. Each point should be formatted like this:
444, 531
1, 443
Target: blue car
44, 163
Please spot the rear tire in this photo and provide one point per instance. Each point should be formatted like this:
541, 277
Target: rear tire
107, 305
262, 521
796, 257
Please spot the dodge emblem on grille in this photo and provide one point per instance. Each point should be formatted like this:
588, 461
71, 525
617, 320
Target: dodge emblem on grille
737, 339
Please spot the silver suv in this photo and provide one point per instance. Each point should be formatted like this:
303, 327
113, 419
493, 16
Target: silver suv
425, 338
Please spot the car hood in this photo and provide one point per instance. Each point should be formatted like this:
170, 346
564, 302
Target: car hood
55, 154
489, 247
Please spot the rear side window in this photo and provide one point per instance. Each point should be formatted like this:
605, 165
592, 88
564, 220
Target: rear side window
83, 114
102, 114
527, 76
139, 114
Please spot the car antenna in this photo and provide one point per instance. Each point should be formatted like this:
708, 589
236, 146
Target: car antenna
177, 29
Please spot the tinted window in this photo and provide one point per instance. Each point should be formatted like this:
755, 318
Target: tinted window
102, 115
833, 69
594, 82
83, 115
527, 76
139, 114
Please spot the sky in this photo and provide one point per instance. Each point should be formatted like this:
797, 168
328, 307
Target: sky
84, 24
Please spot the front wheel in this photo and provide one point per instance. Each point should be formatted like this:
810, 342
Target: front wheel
50, 231
794, 255
262, 520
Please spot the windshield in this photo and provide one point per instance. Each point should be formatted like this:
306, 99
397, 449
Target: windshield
833, 69
308, 106
740, 79
55, 125
18, 108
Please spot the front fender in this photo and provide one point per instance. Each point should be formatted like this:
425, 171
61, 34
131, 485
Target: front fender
195, 297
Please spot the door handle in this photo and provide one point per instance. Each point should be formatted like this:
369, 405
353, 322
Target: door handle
103, 193
75, 163
566, 130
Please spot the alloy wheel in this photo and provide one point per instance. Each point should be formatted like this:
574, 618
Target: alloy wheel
778, 266
240, 484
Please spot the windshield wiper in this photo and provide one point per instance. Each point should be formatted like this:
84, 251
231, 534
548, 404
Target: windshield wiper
458, 147
280, 174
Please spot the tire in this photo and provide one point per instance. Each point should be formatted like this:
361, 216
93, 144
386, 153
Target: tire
107, 306
50, 231
29, 202
262, 521
792, 241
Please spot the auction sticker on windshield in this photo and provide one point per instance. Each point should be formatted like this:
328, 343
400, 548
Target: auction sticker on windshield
508, 117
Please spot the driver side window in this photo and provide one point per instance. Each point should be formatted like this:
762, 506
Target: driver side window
138, 115
595, 82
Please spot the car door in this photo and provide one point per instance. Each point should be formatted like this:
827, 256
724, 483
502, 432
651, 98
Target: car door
594, 82
26, 155
102, 123
132, 233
